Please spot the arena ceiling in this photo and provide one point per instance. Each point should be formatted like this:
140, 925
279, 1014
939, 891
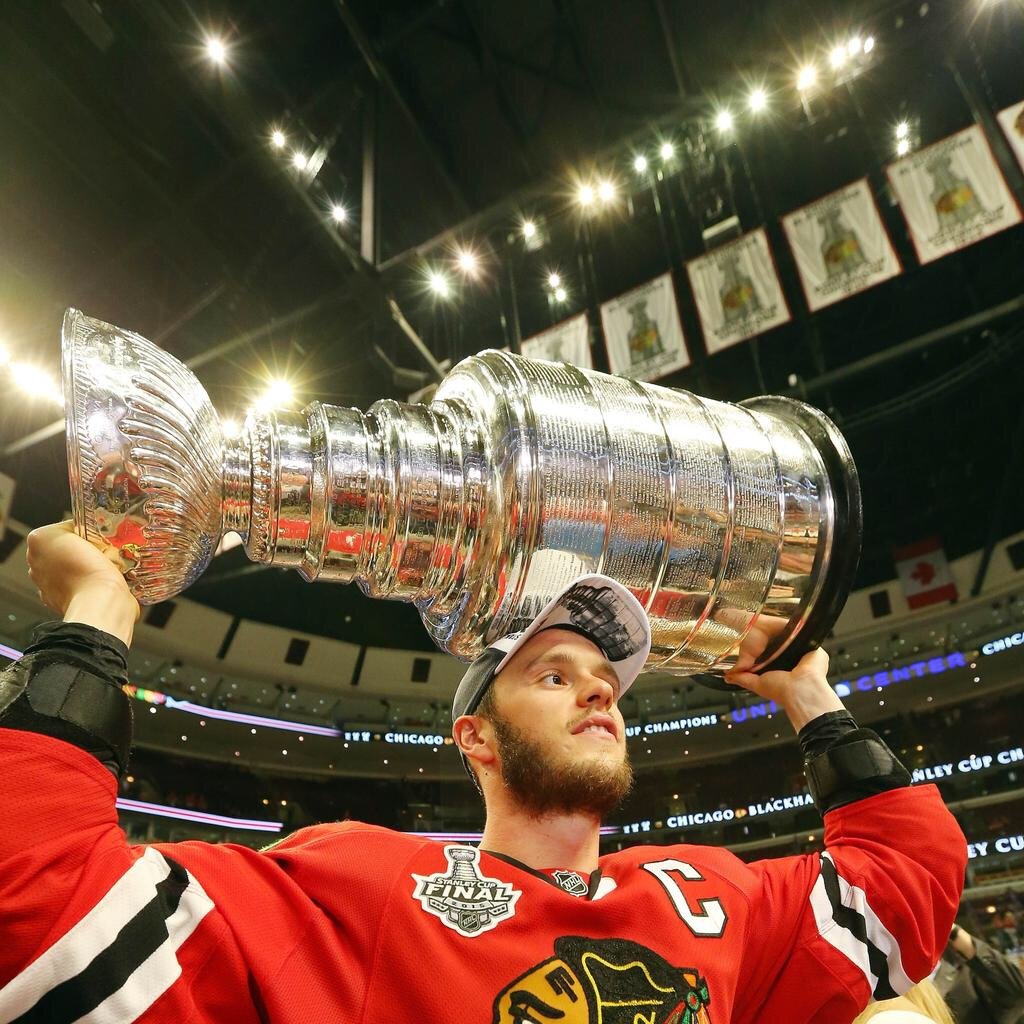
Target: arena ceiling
139, 183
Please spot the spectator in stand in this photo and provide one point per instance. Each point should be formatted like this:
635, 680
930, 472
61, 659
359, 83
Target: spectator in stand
980, 984
921, 1004
1005, 930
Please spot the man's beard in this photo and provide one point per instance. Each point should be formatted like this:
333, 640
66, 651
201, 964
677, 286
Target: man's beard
543, 786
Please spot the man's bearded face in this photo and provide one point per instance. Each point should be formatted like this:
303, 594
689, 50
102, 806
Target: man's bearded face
545, 781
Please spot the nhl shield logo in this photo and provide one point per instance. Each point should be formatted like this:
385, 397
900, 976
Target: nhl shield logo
462, 898
572, 882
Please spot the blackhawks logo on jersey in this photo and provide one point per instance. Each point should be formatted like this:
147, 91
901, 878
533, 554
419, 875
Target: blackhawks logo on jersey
604, 981
462, 898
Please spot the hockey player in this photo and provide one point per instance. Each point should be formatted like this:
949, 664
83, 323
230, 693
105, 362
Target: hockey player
354, 923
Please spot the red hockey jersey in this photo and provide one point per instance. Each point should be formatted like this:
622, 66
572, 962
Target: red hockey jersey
350, 923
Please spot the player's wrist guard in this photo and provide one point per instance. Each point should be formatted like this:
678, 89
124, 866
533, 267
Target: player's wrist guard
857, 765
57, 696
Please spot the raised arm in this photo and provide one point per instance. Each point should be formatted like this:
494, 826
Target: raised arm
68, 684
869, 916
80, 582
92, 927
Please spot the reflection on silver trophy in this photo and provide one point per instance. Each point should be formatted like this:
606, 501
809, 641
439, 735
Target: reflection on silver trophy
737, 526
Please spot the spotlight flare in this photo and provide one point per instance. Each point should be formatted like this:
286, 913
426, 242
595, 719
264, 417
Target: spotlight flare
216, 51
806, 77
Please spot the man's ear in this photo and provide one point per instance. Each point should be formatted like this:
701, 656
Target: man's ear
475, 738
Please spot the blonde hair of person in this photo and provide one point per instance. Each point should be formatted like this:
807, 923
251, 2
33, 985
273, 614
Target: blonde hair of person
923, 998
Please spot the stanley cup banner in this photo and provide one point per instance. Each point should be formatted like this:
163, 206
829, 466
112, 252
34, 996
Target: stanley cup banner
952, 194
840, 245
567, 342
643, 332
1012, 121
737, 291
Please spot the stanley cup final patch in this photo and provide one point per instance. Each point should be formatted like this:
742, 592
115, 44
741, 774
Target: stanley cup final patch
462, 898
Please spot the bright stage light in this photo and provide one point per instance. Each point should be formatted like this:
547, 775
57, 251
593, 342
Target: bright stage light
903, 147
640, 164
723, 121
438, 283
230, 429
338, 213
554, 280
277, 139
34, 382
216, 51
277, 395
758, 100
806, 77
585, 195
467, 261
854, 46
837, 58
560, 295
299, 160
667, 151
529, 229
902, 130
869, 44
606, 191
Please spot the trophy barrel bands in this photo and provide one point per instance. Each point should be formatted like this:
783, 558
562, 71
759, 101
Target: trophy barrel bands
412, 476
342, 495
811, 589
721, 519
750, 545
340, 447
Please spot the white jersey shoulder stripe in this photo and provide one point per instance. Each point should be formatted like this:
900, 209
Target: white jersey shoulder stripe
846, 920
60, 977
74, 950
161, 970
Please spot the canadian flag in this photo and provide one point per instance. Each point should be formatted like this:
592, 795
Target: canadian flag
924, 573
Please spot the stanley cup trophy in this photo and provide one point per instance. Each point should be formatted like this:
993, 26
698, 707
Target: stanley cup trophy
737, 526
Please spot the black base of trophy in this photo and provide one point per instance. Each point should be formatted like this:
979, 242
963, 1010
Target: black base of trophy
848, 531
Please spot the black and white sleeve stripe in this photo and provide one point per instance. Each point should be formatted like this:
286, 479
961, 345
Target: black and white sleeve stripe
846, 921
120, 958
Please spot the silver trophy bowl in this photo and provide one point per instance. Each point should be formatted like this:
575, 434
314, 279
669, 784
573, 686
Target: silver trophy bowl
737, 526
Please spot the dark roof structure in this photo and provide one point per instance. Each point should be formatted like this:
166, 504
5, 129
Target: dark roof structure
141, 184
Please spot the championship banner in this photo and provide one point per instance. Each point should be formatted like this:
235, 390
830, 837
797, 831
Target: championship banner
567, 342
737, 291
952, 194
6, 497
924, 573
840, 245
643, 331
1012, 121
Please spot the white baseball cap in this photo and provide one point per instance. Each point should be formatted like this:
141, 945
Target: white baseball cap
597, 607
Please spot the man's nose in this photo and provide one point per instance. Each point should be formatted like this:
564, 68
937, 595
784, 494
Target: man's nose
597, 691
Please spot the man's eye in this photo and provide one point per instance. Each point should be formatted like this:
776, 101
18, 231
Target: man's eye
555, 678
